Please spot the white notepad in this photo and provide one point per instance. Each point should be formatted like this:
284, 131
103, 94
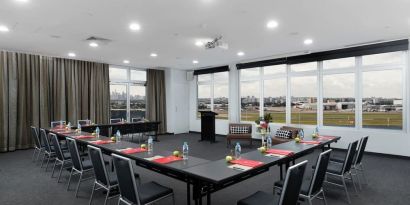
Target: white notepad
275, 155
239, 167
153, 158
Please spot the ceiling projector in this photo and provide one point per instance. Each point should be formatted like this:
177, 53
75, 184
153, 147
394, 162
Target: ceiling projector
216, 43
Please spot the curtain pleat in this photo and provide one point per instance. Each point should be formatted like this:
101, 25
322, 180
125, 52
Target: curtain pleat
156, 101
37, 90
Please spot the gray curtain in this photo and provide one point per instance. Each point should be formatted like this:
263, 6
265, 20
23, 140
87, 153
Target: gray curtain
36, 90
156, 103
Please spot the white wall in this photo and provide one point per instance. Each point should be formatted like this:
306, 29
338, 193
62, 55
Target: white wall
177, 95
380, 141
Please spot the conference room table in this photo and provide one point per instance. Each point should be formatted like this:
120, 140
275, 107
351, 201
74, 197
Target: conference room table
205, 176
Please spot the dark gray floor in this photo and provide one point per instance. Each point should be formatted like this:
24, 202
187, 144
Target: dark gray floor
23, 182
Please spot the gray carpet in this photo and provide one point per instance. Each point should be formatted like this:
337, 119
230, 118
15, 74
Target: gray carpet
24, 182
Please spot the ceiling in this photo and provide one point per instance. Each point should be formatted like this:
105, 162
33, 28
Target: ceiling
171, 28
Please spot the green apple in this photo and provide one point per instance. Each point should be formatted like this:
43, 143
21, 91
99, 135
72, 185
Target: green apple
228, 158
143, 146
175, 153
297, 139
262, 149
113, 139
93, 134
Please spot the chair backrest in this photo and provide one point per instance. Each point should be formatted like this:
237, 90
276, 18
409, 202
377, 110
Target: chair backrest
240, 125
126, 179
84, 122
115, 120
34, 133
320, 172
56, 145
349, 156
75, 156
136, 119
362, 147
45, 140
292, 184
98, 163
57, 123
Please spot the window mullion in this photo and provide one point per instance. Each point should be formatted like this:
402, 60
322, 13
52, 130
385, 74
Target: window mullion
359, 93
320, 94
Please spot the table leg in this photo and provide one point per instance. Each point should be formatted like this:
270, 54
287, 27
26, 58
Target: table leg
281, 171
188, 193
208, 195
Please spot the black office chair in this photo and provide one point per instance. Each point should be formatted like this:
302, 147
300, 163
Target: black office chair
63, 159
313, 187
49, 151
357, 164
103, 179
79, 167
37, 144
290, 191
130, 193
343, 170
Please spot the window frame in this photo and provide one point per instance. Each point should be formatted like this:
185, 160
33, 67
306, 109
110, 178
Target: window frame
128, 82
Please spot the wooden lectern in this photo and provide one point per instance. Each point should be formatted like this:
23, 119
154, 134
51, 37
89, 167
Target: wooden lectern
208, 126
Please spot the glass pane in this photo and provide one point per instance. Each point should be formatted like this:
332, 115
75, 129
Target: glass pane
304, 100
383, 58
249, 73
383, 99
138, 75
339, 63
204, 77
118, 101
275, 99
137, 102
304, 67
204, 98
221, 96
250, 101
339, 100
118, 74
274, 69
221, 77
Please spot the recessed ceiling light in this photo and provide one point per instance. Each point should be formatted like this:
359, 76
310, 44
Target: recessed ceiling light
93, 44
4, 28
126, 61
199, 43
135, 27
195, 62
240, 53
308, 41
71, 54
272, 24
153, 55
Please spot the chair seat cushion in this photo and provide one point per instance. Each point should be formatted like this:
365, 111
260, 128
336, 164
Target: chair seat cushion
151, 191
333, 168
339, 159
87, 164
303, 190
66, 155
259, 198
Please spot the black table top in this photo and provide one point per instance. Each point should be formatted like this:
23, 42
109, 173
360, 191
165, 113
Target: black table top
216, 172
122, 124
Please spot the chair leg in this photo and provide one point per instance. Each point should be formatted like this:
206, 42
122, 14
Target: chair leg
324, 197
61, 170
42, 161
364, 175
38, 155
106, 196
69, 179
359, 181
48, 161
173, 199
78, 185
345, 187
54, 167
92, 193
354, 184
34, 154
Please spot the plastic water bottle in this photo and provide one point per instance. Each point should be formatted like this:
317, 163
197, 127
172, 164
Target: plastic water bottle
185, 150
317, 130
237, 151
301, 134
97, 132
118, 136
69, 125
150, 144
269, 142
79, 127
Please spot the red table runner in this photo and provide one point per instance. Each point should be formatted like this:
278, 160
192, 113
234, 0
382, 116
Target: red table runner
84, 137
100, 142
66, 131
166, 160
310, 142
325, 137
247, 162
133, 150
279, 152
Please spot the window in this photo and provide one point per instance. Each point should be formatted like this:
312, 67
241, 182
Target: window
339, 100
213, 94
311, 66
127, 93
275, 99
250, 99
304, 100
339, 63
